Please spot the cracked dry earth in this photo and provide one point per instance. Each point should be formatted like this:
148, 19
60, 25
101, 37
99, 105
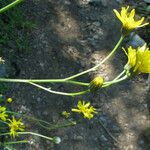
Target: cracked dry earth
71, 36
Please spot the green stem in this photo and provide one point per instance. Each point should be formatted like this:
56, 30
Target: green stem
115, 81
68, 79
59, 93
96, 66
29, 117
30, 133
109, 82
44, 81
15, 142
71, 123
3, 122
9, 148
13, 4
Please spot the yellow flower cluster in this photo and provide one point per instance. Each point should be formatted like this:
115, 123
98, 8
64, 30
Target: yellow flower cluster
15, 126
85, 109
66, 114
128, 21
3, 115
9, 100
138, 59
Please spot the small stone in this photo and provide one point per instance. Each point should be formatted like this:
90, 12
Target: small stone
103, 138
78, 137
147, 1
120, 1
38, 99
136, 40
96, 37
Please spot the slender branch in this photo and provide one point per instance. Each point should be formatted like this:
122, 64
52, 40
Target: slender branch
15, 142
115, 81
13, 4
96, 66
59, 93
3, 122
68, 79
9, 148
29, 117
30, 133
44, 81
116, 78
108, 132
57, 126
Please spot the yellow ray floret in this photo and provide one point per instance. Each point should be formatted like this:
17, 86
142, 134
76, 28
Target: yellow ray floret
139, 59
85, 109
128, 19
15, 126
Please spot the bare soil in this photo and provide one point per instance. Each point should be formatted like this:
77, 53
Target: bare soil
71, 36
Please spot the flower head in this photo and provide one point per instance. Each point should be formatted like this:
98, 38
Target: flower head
3, 114
96, 83
57, 140
66, 114
85, 109
138, 59
9, 100
128, 21
15, 126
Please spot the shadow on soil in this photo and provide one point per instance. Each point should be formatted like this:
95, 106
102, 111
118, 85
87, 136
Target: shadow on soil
70, 37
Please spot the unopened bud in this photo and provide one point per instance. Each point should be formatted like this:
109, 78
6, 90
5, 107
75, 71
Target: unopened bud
96, 83
57, 140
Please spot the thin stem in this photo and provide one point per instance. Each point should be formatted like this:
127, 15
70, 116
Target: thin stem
44, 81
30, 133
13, 4
3, 122
115, 81
68, 79
15, 142
122, 73
59, 81
29, 117
108, 132
8, 148
59, 93
71, 123
13, 80
96, 66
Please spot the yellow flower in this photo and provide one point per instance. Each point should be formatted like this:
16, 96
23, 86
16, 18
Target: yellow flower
9, 100
85, 109
15, 126
128, 21
66, 114
138, 59
96, 83
3, 114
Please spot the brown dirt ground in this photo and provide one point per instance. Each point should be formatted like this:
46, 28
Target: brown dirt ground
71, 36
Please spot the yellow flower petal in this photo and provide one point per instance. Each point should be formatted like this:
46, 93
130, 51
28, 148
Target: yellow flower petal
128, 21
85, 109
15, 126
139, 59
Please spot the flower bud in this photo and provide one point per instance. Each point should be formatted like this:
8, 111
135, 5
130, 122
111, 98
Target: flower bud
96, 83
57, 140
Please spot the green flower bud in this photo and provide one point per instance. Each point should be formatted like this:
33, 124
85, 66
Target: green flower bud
96, 83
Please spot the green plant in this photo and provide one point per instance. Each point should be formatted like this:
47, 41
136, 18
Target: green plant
138, 62
14, 32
